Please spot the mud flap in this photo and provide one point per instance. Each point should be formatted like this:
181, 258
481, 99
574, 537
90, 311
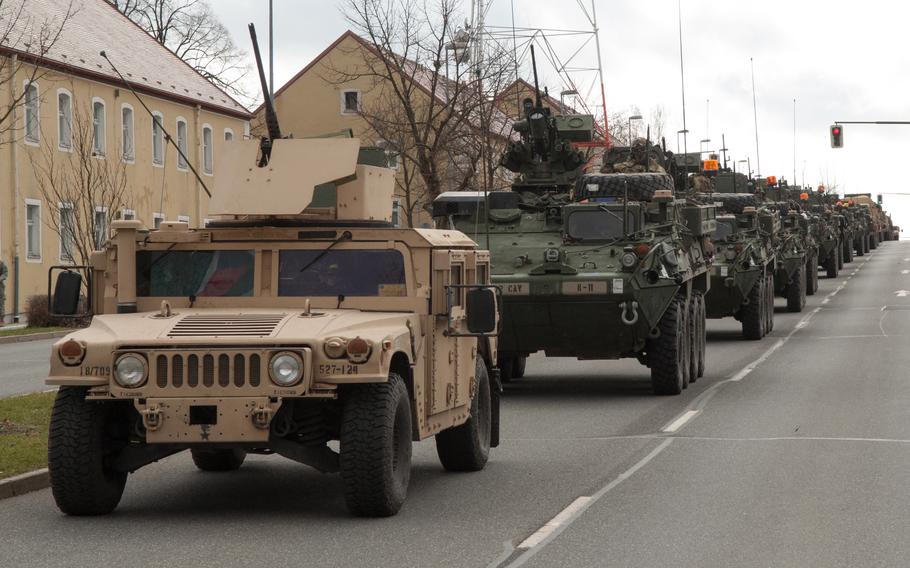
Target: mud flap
495, 396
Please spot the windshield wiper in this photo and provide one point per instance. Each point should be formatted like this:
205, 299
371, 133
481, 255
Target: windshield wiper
344, 237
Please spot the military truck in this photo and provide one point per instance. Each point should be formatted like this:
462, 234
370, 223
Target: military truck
299, 316
742, 284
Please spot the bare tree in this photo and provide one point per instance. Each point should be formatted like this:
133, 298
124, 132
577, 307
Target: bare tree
193, 32
426, 99
83, 190
31, 40
658, 123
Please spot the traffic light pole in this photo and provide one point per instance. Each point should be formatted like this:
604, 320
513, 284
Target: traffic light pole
871, 122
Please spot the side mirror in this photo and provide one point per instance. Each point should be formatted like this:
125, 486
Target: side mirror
67, 290
481, 310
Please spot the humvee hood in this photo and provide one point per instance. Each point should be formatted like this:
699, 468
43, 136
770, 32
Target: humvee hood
247, 327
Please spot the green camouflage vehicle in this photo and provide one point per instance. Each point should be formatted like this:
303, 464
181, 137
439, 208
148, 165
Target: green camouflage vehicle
742, 284
790, 277
596, 266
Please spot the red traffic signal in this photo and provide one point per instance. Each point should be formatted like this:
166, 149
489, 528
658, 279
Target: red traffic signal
837, 136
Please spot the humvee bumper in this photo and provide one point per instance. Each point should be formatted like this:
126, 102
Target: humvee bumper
194, 420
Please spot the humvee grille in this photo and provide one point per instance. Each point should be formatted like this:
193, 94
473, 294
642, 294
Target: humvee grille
169, 370
236, 325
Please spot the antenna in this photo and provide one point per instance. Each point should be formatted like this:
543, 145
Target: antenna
271, 117
536, 86
167, 135
755, 115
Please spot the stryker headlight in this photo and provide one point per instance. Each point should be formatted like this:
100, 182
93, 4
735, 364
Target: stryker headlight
130, 370
551, 255
285, 369
628, 259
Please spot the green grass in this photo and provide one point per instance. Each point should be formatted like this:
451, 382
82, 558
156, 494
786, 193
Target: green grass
24, 422
31, 330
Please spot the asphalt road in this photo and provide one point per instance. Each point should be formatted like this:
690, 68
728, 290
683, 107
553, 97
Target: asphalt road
792, 451
24, 366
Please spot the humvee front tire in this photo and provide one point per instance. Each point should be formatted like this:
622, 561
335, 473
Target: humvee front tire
375, 447
506, 365
467, 447
77, 446
753, 313
667, 354
519, 366
218, 460
796, 290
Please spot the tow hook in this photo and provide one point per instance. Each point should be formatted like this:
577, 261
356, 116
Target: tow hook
151, 417
633, 319
262, 417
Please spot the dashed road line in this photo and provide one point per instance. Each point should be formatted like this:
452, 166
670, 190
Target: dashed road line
680, 422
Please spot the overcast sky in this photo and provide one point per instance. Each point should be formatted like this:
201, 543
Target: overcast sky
840, 60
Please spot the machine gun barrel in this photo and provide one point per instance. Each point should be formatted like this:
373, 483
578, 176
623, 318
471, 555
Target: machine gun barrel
537, 101
271, 117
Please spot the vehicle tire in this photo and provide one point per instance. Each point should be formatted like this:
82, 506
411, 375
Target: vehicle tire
866, 245
702, 335
812, 275
831, 267
467, 447
770, 283
860, 246
839, 255
218, 460
638, 187
873, 241
692, 317
375, 444
733, 202
666, 353
752, 314
848, 251
796, 290
519, 366
506, 364
78, 443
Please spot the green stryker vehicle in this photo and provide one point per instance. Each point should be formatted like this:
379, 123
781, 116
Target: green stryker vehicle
594, 266
790, 277
742, 277
829, 246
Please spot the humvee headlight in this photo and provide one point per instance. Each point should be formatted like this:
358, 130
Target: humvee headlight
285, 369
359, 350
130, 370
628, 259
335, 348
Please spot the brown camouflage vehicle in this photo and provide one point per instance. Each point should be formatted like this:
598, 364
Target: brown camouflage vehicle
298, 318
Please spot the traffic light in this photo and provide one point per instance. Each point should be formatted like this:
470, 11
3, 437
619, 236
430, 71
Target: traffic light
837, 136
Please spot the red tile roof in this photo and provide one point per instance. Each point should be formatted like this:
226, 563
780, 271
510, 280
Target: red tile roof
97, 26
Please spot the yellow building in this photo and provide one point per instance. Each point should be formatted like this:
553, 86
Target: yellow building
76, 115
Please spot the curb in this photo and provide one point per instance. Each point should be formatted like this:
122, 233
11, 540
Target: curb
33, 337
24, 483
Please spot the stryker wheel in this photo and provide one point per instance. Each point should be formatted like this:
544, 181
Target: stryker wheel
467, 447
666, 353
375, 443
796, 290
752, 314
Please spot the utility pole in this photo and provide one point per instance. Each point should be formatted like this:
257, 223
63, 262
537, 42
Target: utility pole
271, 53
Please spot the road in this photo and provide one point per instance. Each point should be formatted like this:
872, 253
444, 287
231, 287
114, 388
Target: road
24, 366
791, 451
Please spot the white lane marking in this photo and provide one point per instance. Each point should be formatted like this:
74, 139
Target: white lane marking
680, 422
764, 357
571, 518
554, 523
905, 271
902, 293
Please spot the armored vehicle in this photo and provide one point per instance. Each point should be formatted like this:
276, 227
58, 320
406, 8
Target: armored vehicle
791, 277
742, 284
298, 317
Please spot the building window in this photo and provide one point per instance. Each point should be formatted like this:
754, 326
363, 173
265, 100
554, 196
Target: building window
181, 143
396, 212
67, 232
157, 139
64, 120
101, 226
207, 150
33, 230
128, 214
99, 143
183, 219
128, 137
157, 219
228, 135
32, 126
350, 102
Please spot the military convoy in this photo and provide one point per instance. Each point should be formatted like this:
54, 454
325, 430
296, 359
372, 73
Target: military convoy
298, 317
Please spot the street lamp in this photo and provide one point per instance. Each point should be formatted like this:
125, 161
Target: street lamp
706, 143
678, 132
631, 118
566, 93
748, 162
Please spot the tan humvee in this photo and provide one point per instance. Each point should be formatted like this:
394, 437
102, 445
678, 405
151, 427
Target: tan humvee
268, 332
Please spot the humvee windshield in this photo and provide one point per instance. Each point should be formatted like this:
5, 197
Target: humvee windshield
725, 228
195, 273
598, 225
347, 272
